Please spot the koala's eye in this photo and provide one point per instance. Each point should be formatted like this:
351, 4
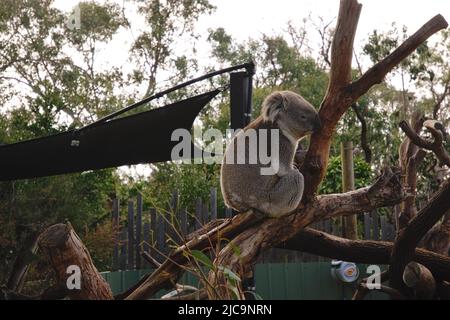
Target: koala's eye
303, 117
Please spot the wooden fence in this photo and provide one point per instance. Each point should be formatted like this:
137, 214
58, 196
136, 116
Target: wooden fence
156, 232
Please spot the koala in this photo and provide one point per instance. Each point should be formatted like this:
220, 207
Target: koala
274, 195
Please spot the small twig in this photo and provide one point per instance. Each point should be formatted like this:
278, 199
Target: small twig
363, 290
150, 259
196, 295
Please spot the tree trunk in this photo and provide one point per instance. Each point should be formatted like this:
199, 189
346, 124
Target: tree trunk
63, 248
350, 225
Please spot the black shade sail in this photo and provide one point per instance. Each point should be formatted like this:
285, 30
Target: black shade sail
141, 138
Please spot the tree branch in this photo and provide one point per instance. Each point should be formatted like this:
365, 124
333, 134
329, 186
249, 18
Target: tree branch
363, 138
386, 191
377, 73
436, 146
420, 279
341, 93
362, 251
206, 237
409, 237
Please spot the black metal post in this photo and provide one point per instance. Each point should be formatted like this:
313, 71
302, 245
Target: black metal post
241, 89
241, 97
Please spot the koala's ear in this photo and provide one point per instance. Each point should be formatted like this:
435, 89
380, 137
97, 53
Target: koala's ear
272, 106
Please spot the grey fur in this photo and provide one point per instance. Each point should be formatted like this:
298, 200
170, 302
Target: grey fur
243, 186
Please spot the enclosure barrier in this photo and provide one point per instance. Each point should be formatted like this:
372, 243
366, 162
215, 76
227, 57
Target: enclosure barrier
278, 281
152, 231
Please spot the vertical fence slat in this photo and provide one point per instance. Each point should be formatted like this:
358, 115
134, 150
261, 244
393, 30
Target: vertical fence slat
376, 225
145, 244
153, 232
336, 230
391, 232
160, 235
213, 203
198, 213
115, 225
131, 235
123, 249
367, 226
153, 226
328, 226
138, 243
383, 227
205, 213
174, 225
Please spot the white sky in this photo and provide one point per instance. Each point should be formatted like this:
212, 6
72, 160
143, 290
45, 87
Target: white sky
250, 18
263, 16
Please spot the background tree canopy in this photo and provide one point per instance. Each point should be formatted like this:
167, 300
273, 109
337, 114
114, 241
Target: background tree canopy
54, 78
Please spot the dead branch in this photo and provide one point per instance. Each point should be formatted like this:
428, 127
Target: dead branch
440, 99
362, 251
436, 145
409, 237
438, 238
150, 259
196, 295
63, 248
420, 279
386, 191
410, 157
342, 92
56, 292
22, 262
363, 137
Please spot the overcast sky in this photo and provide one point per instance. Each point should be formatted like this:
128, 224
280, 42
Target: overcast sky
264, 16
250, 18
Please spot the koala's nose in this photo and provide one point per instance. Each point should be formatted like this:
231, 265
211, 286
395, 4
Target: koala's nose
317, 125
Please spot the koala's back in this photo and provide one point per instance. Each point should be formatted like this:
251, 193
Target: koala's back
242, 185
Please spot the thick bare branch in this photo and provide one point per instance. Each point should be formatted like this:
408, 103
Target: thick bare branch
409, 237
420, 279
63, 248
410, 157
436, 146
362, 251
377, 73
341, 93
342, 47
441, 99
386, 191
22, 262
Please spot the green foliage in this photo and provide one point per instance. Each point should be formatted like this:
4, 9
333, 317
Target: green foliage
332, 183
100, 241
192, 181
